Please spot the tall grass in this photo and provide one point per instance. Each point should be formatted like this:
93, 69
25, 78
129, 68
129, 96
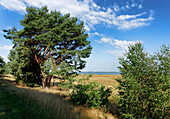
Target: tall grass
13, 106
52, 101
36, 105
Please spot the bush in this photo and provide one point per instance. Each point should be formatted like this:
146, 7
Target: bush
91, 94
144, 88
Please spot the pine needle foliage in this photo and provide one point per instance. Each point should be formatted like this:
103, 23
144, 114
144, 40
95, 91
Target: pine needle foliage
52, 39
24, 67
144, 88
2, 64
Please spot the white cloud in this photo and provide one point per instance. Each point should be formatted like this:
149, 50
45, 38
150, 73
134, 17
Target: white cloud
14, 5
96, 33
117, 53
106, 40
103, 8
133, 4
4, 51
116, 7
86, 27
120, 45
75, 7
87, 11
140, 6
1, 31
127, 6
124, 17
123, 44
135, 23
6, 47
5, 57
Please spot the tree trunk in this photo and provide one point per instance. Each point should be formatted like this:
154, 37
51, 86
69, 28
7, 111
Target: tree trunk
49, 81
46, 80
43, 79
43, 82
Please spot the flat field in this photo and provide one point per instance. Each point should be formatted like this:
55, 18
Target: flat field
107, 80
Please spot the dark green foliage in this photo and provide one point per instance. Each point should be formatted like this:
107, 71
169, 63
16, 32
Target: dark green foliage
90, 94
24, 68
7, 68
52, 41
144, 88
2, 64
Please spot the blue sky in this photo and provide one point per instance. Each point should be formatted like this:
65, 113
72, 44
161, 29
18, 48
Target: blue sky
111, 25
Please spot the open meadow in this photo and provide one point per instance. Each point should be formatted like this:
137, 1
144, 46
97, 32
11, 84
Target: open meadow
52, 103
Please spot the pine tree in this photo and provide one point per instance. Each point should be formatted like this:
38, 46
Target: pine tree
53, 40
2, 64
144, 88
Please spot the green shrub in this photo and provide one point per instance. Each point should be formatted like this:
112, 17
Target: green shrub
91, 94
144, 88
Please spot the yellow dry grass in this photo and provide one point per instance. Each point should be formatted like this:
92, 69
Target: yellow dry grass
54, 98
107, 80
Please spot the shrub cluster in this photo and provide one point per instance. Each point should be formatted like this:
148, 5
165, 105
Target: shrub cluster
91, 94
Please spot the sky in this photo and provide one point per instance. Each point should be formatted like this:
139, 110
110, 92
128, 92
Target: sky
111, 25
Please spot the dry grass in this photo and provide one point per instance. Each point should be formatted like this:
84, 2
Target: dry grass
51, 101
107, 80
55, 100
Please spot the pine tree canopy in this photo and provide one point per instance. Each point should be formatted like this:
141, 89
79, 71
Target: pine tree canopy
52, 39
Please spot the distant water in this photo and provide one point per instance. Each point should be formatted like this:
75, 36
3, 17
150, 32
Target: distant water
102, 73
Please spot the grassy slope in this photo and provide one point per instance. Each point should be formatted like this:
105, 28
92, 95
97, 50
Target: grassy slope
13, 106
22, 103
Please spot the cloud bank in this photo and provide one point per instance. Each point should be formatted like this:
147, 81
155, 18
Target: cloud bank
89, 12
